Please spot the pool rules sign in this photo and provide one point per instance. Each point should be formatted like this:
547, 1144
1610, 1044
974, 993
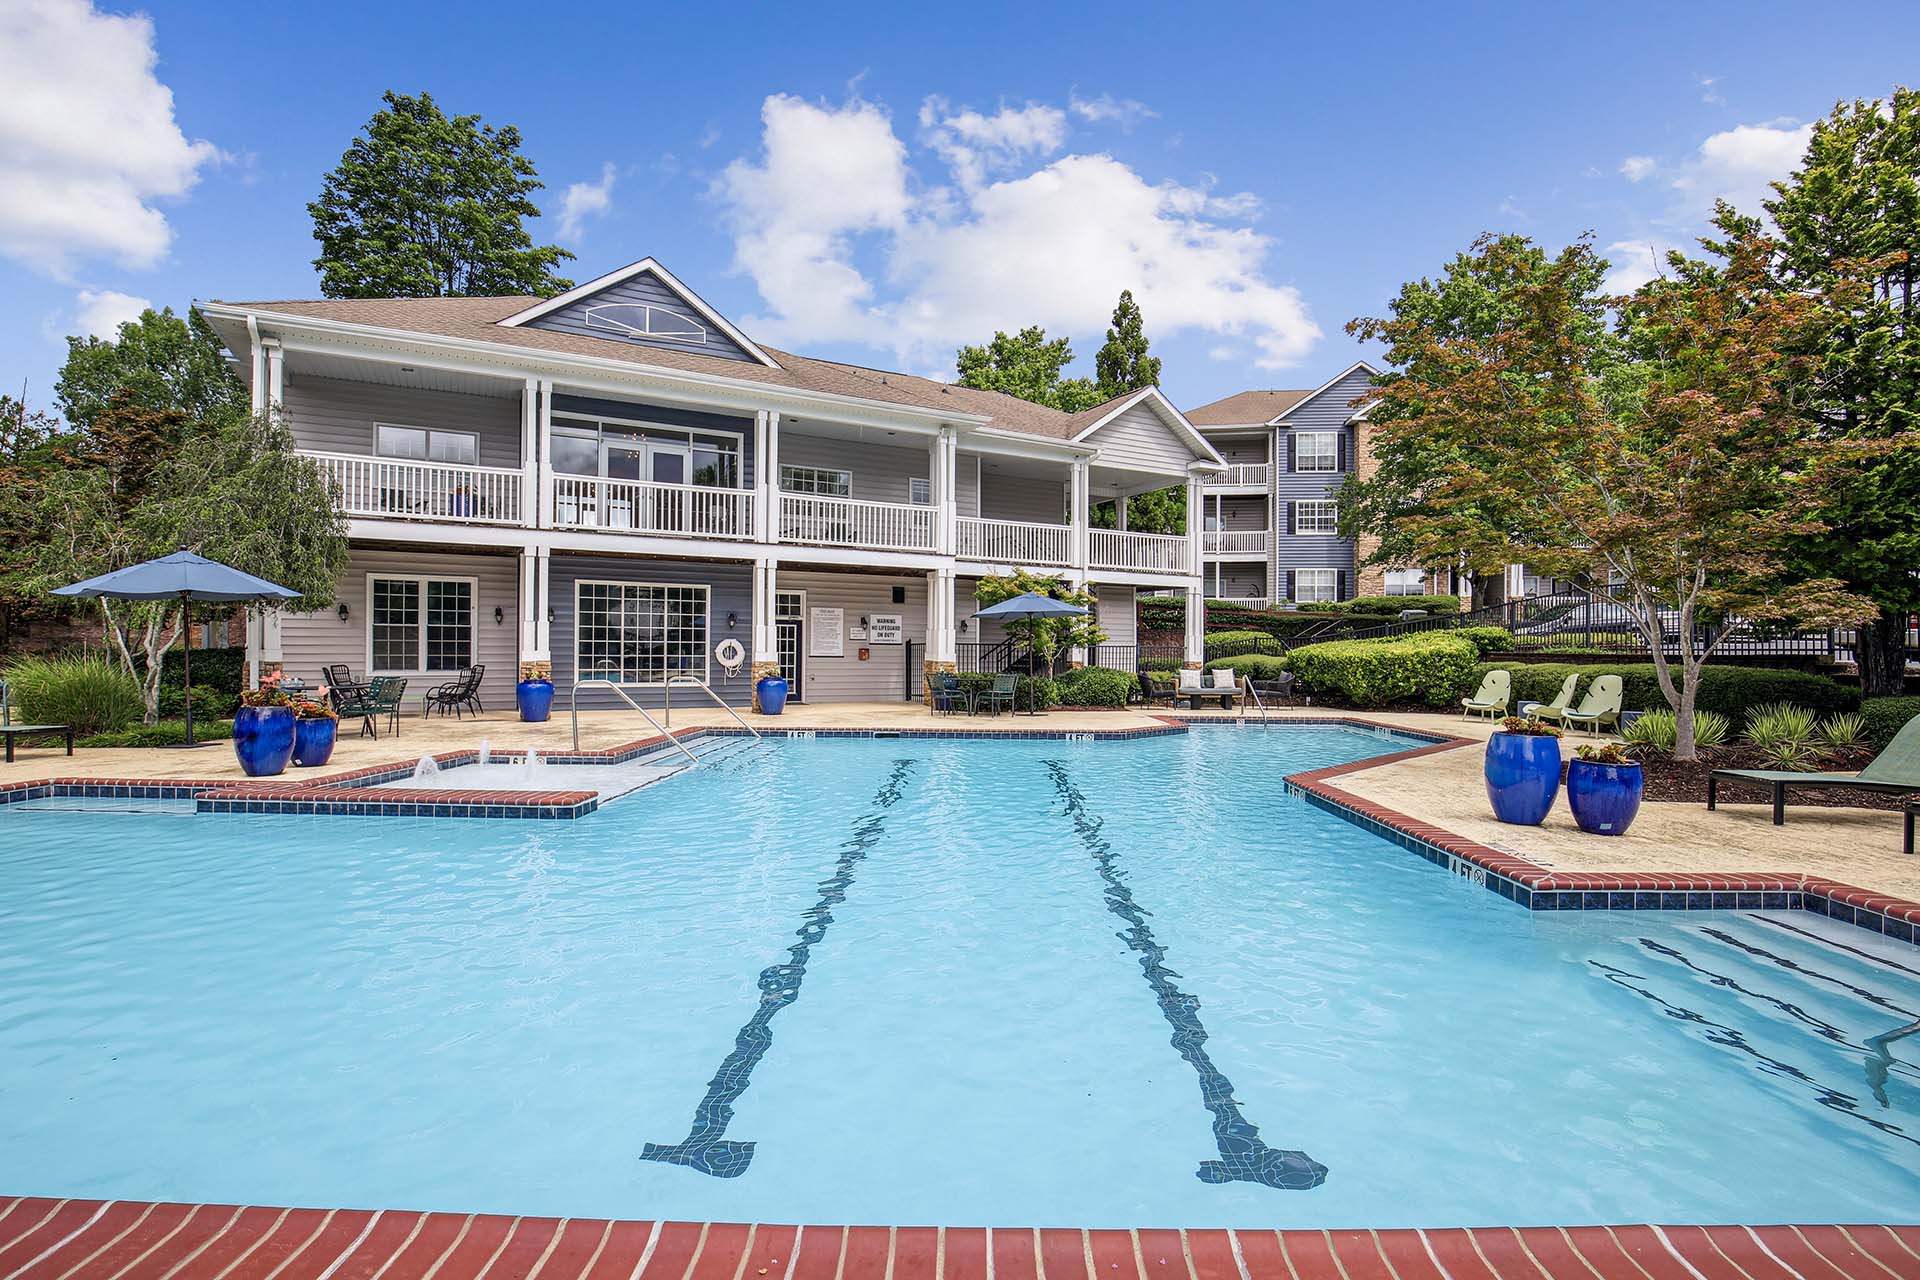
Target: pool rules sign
826, 633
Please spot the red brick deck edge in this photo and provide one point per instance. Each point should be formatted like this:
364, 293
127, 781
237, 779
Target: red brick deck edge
1532, 876
134, 1241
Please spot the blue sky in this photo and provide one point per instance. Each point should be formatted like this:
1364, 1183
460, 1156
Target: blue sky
879, 184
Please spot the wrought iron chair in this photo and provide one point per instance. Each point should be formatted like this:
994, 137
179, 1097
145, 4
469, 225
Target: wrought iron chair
455, 695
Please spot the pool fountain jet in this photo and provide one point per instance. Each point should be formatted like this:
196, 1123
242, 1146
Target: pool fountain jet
532, 766
427, 767
486, 752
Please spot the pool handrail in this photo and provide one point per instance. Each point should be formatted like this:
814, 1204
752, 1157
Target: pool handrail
573, 707
1253, 696
704, 687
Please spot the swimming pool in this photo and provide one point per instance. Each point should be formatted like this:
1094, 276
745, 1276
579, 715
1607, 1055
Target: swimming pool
918, 980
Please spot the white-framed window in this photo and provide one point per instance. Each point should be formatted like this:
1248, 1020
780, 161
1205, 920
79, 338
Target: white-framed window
920, 491
1317, 516
1406, 582
639, 632
709, 458
1316, 586
426, 444
824, 481
419, 624
1316, 451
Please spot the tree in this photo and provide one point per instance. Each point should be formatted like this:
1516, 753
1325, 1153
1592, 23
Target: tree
1122, 363
1047, 637
1667, 465
426, 205
29, 443
1849, 236
1027, 366
232, 489
160, 360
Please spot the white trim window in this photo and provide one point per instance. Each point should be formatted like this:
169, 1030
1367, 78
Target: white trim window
1316, 586
1406, 582
419, 625
1316, 516
1316, 451
639, 632
823, 482
920, 491
426, 444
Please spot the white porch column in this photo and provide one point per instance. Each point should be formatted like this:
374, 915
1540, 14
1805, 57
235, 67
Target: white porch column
765, 645
529, 628
1195, 524
1079, 538
542, 649
942, 617
252, 673
276, 374
1196, 631
942, 472
762, 509
257, 385
531, 477
1196, 628
543, 433
768, 485
1120, 513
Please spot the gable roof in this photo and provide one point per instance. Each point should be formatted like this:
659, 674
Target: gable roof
1088, 421
646, 266
1326, 386
1245, 409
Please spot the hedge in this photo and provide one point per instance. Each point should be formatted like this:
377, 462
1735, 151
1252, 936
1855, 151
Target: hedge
1097, 687
1226, 644
1886, 717
1394, 604
1732, 691
1025, 689
222, 669
1160, 614
1258, 665
1485, 639
167, 733
1434, 667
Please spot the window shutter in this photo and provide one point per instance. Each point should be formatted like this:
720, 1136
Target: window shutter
1340, 451
1293, 452
1340, 584
1289, 585
1289, 507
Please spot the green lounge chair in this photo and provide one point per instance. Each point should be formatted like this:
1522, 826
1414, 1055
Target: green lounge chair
1895, 770
1600, 709
999, 695
380, 697
1490, 699
1561, 700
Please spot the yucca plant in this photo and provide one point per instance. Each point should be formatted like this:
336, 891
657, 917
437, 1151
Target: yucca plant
1846, 729
1776, 723
84, 690
1654, 731
1710, 728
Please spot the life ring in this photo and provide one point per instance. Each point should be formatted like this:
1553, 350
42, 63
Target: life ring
730, 655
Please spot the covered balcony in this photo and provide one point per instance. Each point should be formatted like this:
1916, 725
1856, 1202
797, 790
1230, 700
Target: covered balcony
399, 489
1236, 542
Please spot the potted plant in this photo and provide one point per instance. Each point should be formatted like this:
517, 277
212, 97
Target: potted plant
1523, 770
1604, 787
263, 732
315, 728
534, 694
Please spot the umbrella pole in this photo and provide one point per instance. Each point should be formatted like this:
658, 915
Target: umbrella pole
186, 659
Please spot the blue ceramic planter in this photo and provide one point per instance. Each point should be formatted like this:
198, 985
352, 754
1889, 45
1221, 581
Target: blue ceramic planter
535, 699
1604, 797
772, 692
1523, 776
313, 741
263, 740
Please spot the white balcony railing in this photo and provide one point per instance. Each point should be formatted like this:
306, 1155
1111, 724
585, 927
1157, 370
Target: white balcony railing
1236, 542
636, 506
392, 488
1147, 552
1015, 542
846, 522
1243, 473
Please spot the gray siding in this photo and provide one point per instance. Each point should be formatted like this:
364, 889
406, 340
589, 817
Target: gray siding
966, 483
880, 472
668, 416
1243, 511
1328, 411
729, 590
336, 416
1240, 450
641, 288
1115, 614
311, 641
883, 676
1238, 580
1139, 441
1026, 498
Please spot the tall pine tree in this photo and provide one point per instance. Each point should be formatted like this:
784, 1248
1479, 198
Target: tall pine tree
1121, 365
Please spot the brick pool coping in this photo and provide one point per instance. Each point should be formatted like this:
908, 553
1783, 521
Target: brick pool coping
134, 1240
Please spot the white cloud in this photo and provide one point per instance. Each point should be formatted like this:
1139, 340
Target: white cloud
583, 200
1709, 94
88, 142
844, 245
1106, 108
102, 312
1739, 165
973, 144
1634, 263
1638, 168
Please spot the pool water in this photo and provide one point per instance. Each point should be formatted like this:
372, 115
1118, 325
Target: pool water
926, 981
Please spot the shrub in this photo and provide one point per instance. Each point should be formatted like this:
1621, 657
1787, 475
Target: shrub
1227, 644
1161, 664
212, 703
1656, 729
86, 690
223, 669
1260, 666
1780, 724
167, 733
1394, 604
1885, 717
1436, 668
1097, 687
1025, 690
1486, 639
1731, 691
1848, 729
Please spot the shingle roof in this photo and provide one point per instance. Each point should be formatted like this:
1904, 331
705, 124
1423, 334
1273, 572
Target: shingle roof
1246, 408
477, 320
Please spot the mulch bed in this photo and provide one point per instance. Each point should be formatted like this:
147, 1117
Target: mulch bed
1685, 781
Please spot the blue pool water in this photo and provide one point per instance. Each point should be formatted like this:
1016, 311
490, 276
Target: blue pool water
898, 981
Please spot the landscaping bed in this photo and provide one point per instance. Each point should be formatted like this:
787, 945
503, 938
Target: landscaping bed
1685, 781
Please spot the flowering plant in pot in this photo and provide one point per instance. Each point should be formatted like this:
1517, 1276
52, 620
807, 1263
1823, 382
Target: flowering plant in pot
1522, 770
1604, 786
263, 732
315, 728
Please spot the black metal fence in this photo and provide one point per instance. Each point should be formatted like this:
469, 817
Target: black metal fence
1009, 655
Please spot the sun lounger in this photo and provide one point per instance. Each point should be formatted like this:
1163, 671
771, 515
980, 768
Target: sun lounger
1894, 770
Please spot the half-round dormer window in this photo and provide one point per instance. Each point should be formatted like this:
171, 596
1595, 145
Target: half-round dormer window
644, 320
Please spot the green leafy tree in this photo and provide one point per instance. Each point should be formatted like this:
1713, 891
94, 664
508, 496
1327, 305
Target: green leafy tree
1849, 236
1122, 363
232, 489
29, 447
159, 360
1668, 467
1027, 365
1048, 637
425, 205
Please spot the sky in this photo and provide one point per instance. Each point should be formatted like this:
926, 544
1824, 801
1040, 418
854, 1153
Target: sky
881, 184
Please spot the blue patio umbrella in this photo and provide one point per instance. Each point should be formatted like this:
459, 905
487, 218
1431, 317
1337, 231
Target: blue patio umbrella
189, 577
1025, 608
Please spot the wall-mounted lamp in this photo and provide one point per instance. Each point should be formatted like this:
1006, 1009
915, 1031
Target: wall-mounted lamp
733, 621
963, 626
863, 619
342, 611
499, 615
550, 614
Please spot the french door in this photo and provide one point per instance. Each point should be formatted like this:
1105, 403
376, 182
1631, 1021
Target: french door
789, 610
653, 461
